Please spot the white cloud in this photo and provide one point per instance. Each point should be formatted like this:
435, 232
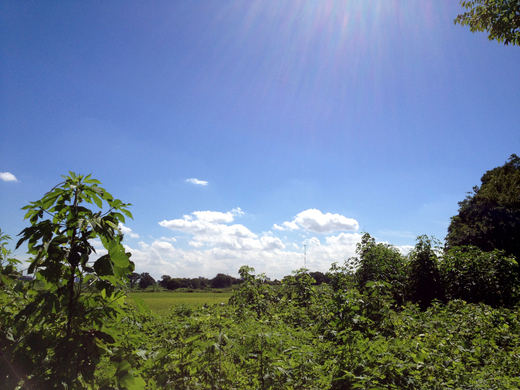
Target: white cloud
172, 239
286, 226
211, 228
214, 216
197, 182
163, 246
7, 176
162, 258
127, 231
405, 249
209, 223
271, 243
344, 239
315, 221
217, 244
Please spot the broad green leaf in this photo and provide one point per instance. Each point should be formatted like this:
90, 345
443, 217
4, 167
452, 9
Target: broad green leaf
111, 224
127, 213
119, 216
107, 196
97, 200
103, 266
117, 254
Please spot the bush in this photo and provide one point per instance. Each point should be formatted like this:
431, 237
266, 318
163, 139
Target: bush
424, 280
380, 263
56, 336
476, 276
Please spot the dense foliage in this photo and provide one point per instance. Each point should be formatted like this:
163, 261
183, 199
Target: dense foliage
500, 18
146, 280
200, 283
333, 338
489, 218
55, 337
476, 276
425, 283
380, 262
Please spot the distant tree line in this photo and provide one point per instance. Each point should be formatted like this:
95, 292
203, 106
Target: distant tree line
145, 280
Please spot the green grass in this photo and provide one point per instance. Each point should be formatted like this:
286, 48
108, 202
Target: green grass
161, 302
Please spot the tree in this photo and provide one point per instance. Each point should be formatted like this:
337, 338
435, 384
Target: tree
500, 18
319, 277
476, 276
59, 333
298, 287
489, 218
174, 284
424, 280
165, 280
254, 293
168, 283
11, 294
380, 263
146, 280
8, 270
133, 279
222, 281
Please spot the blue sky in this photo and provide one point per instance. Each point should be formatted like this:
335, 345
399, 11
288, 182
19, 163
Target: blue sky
303, 122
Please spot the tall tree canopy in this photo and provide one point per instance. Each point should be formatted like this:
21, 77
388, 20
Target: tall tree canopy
500, 18
489, 218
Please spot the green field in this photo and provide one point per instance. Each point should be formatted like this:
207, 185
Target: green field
161, 302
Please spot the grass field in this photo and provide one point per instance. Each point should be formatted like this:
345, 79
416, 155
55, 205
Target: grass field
161, 302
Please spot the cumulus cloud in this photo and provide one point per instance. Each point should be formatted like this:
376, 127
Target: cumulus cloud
216, 243
286, 226
173, 239
344, 239
214, 216
197, 182
212, 228
7, 176
127, 231
315, 221
405, 249
211, 242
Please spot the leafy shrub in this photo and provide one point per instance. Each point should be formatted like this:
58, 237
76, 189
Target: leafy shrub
254, 294
476, 276
380, 263
56, 336
424, 280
